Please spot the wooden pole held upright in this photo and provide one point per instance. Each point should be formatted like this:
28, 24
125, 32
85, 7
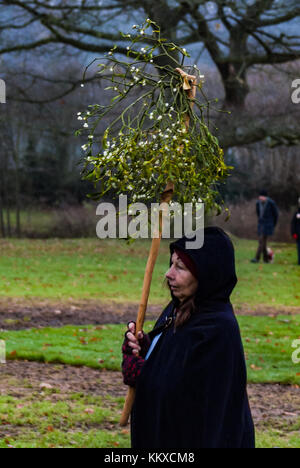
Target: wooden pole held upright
166, 197
153, 254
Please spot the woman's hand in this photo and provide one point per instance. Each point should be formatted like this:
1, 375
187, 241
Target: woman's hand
132, 341
134, 350
133, 345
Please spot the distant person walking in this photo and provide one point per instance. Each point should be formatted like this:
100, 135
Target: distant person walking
267, 214
296, 229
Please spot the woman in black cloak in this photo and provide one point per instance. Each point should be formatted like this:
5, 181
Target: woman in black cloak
189, 372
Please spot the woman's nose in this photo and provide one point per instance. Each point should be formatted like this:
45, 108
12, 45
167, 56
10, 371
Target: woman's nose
169, 273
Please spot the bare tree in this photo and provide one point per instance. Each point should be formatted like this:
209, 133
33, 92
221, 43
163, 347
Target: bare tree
238, 35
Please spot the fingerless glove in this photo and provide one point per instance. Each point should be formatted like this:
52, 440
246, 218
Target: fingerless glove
144, 343
131, 368
131, 364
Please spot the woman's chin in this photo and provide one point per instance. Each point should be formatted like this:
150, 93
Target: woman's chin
175, 293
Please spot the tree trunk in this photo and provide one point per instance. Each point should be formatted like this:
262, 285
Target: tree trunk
17, 183
8, 224
18, 207
236, 88
2, 223
234, 71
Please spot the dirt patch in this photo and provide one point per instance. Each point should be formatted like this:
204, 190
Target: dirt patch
265, 310
15, 315
29, 377
277, 401
20, 378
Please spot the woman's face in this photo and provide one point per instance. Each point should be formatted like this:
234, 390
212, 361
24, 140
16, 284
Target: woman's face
180, 280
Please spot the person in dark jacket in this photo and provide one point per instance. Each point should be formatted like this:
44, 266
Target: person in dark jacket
295, 228
267, 214
190, 374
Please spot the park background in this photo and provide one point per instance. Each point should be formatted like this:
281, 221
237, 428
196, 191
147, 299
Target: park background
65, 295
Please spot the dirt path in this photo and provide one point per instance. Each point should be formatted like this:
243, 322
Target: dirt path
19, 378
16, 316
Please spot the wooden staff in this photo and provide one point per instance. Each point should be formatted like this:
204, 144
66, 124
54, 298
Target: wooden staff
166, 197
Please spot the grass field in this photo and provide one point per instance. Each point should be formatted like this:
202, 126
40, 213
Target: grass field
45, 420
111, 270
48, 418
77, 421
91, 270
267, 342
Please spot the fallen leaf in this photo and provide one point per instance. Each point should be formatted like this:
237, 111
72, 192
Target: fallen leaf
45, 385
254, 367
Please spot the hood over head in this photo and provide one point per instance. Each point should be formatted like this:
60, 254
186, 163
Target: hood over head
215, 265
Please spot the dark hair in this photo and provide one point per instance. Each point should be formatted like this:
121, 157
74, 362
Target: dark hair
263, 193
184, 311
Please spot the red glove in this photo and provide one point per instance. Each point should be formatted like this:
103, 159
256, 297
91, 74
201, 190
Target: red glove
131, 368
295, 236
132, 364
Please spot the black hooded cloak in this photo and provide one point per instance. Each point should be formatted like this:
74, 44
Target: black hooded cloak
191, 392
295, 227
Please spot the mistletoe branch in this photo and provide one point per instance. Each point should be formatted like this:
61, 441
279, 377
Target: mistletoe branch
148, 143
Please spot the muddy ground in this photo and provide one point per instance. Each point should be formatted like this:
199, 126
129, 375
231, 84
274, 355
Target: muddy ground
17, 316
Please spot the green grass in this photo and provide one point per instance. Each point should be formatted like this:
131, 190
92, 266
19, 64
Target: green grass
77, 269
83, 421
93, 346
76, 421
274, 284
33, 220
275, 434
267, 342
93, 269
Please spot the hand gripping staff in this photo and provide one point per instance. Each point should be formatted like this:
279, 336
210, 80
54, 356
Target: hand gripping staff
189, 85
